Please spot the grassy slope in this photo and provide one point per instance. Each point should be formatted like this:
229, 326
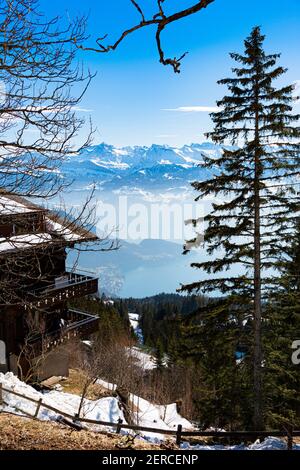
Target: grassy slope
20, 433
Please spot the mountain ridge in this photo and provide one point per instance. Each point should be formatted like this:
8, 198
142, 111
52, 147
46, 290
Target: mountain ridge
113, 167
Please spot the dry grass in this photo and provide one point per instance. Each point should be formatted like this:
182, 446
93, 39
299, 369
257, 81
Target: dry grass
20, 433
75, 382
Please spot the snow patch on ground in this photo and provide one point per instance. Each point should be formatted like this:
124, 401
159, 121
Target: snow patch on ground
157, 416
270, 443
108, 409
134, 322
107, 385
104, 409
144, 360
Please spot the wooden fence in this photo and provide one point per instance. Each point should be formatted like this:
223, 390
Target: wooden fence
289, 433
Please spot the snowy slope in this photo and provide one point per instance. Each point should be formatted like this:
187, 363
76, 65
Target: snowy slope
105, 409
270, 443
144, 360
159, 416
134, 322
108, 409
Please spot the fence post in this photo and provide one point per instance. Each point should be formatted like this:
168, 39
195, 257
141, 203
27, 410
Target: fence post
289, 431
38, 408
1, 397
119, 426
178, 434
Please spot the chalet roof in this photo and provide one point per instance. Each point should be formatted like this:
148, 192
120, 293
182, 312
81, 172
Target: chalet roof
23, 241
57, 229
67, 229
12, 205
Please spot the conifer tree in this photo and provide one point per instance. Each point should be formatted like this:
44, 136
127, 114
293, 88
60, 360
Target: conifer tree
283, 329
159, 355
209, 339
253, 183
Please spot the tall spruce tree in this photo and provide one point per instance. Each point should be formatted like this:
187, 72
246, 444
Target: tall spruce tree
283, 329
210, 338
253, 183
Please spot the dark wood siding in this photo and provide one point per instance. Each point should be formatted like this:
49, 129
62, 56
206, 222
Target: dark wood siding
6, 230
21, 224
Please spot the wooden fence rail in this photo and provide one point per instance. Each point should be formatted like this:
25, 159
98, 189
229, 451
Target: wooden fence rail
288, 433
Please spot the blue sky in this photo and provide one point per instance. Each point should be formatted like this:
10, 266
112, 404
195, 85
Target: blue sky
131, 93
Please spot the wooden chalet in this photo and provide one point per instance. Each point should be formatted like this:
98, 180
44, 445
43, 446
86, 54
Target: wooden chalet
35, 287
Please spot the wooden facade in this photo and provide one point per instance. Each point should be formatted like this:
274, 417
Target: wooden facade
35, 287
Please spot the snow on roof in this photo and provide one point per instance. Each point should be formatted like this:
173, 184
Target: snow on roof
65, 232
23, 241
68, 230
57, 228
13, 205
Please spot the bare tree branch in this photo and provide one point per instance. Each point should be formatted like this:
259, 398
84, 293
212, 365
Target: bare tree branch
160, 20
41, 89
38, 126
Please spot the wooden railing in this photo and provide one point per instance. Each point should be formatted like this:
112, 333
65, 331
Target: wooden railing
78, 323
74, 285
289, 433
69, 279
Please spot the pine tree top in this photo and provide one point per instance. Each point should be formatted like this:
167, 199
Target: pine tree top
258, 118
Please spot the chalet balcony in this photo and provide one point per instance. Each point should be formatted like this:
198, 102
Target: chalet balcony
73, 324
66, 287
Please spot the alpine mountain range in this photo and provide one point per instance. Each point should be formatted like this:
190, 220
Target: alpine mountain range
151, 167
158, 174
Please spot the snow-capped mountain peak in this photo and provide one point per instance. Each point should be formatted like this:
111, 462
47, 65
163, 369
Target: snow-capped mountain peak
140, 165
